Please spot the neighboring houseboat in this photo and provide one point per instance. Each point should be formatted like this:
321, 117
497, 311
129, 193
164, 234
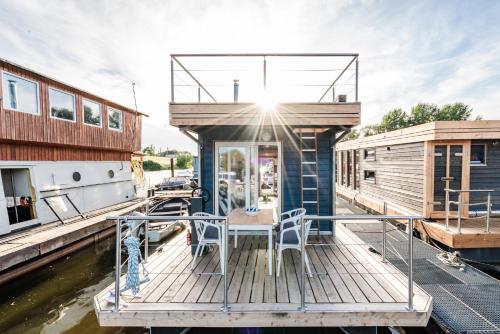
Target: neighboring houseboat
431, 170
64, 152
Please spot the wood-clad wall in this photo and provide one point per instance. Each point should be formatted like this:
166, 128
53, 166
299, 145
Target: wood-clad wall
26, 152
22, 127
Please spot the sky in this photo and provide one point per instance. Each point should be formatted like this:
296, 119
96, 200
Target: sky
410, 51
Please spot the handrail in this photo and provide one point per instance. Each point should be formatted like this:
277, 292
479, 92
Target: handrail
459, 203
225, 307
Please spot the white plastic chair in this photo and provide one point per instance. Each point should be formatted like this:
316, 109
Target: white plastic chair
289, 238
209, 232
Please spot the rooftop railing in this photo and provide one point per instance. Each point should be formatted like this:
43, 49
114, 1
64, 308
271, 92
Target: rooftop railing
146, 221
264, 77
459, 203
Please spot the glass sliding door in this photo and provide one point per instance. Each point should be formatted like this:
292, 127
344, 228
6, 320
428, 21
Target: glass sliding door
247, 175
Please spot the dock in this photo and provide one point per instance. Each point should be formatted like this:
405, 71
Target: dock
464, 301
40, 245
350, 286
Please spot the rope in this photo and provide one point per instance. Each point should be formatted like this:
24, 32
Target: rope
451, 259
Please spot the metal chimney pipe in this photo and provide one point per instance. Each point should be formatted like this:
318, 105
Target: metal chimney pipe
236, 90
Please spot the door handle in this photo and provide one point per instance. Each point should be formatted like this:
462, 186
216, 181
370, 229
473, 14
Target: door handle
451, 178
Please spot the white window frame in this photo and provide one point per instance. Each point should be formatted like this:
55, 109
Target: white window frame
38, 112
83, 113
50, 105
370, 180
121, 119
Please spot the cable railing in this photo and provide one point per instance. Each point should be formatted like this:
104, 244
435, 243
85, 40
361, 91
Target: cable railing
255, 77
134, 223
460, 205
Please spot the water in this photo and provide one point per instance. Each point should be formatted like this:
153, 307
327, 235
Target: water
59, 297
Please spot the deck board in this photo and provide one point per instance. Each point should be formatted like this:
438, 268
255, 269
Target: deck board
348, 277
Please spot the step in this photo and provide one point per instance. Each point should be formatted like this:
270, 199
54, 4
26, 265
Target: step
308, 137
310, 202
308, 150
309, 175
308, 162
309, 189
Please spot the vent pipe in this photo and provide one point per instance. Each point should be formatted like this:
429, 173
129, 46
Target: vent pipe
236, 90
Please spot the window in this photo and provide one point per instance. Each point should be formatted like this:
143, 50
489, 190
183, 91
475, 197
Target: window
62, 105
369, 176
369, 154
114, 119
478, 155
91, 113
20, 94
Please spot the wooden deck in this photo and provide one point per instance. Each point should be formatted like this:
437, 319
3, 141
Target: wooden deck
353, 289
472, 233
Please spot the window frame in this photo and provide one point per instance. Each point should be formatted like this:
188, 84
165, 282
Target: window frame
74, 120
370, 180
38, 107
366, 157
482, 164
83, 113
121, 119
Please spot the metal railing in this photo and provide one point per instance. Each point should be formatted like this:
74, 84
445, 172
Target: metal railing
309, 77
460, 205
145, 220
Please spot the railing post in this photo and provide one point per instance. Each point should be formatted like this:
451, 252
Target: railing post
146, 241
302, 269
357, 74
225, 308
199, 94
172, 87
488, 213
265, 73
410, 264
459, 216
384, 234
118, 260
447, 208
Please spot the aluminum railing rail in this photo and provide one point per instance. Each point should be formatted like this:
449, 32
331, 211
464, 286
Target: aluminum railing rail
145, 221
459, 203
332, 74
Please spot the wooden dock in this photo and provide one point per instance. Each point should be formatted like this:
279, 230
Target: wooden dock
43, 242
472, 233
352, 288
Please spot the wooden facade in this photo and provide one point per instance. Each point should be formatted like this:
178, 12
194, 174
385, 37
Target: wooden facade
42, 130
410, 169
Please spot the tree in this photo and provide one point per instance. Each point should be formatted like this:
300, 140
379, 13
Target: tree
150, 165
422, 113
371, 130
454, 112
393, 120
149, 150
184, 160
353, 134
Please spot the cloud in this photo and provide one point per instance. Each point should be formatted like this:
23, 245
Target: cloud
429, 51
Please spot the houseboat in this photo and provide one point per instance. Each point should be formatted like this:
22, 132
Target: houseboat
266, 127
446, 171
63, 152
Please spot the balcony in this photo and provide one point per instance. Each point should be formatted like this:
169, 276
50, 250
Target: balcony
298, 90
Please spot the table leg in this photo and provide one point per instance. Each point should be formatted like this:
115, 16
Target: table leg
270, 251
235, 238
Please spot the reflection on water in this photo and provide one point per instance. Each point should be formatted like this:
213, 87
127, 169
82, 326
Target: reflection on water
59, 297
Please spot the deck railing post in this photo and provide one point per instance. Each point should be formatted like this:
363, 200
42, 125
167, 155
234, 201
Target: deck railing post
447, 208
302, 269
225, 241
384, 234
118, 266
459, 214
410, 264
488, 213
172, 87
146, 241
357, 75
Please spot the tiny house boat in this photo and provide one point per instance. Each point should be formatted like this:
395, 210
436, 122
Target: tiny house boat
446, 171
274, 152
63, 152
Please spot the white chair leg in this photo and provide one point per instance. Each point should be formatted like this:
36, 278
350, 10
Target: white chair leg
278, 266
195, 256
202, 249
308, 267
